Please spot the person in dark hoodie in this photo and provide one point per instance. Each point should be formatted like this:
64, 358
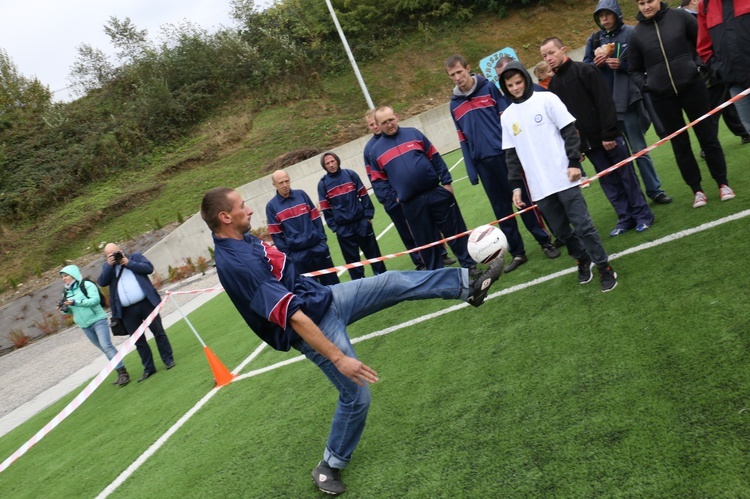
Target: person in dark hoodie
662, 61
631, 112
553, 172
476, 106
584, 92
348, 211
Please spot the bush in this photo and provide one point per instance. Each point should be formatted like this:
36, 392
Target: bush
19, 338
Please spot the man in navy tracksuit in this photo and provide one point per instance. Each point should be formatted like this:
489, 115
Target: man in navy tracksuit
348, 212
386, 195
476, 106
414, 168
297, 230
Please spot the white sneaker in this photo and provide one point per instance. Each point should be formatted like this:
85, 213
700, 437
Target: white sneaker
700, 199
725, 192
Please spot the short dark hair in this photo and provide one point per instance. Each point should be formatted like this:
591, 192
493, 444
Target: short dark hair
507, 75
558, 43
455, 59
684, 3
214, 202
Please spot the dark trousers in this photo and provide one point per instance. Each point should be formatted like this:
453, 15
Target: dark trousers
402, 227
621, 186
430, 214
493, 172
350, 246
694, 101
568, 208
132, 318
717, 94
312, 259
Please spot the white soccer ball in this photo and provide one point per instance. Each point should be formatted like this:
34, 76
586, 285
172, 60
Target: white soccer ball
486, 242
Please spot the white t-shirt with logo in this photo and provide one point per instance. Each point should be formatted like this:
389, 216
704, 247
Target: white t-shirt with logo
533, 129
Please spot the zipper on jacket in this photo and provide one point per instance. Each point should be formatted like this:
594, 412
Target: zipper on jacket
666, 61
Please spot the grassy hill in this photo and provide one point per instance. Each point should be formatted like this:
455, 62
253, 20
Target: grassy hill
241, 143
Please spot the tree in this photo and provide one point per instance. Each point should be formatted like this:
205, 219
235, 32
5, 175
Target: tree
91, 69
18, 94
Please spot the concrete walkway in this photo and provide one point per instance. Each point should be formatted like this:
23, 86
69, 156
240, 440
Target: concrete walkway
40, 374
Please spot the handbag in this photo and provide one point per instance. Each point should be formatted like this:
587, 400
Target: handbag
117, 327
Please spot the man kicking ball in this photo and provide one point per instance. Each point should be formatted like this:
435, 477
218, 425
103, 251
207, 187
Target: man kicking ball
287, 310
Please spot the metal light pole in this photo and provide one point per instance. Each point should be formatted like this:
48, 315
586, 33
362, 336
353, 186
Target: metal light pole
351, 56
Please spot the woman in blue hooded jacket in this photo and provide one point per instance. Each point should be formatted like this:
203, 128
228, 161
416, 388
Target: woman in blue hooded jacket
89, 315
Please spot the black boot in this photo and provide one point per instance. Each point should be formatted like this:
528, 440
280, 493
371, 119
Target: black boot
123, 378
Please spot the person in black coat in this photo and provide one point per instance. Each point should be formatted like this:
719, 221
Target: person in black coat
664, 63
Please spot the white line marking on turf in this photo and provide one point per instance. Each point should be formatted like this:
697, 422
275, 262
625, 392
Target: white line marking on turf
184, 419
171, 431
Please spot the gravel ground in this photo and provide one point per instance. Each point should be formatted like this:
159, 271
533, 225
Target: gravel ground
39, 373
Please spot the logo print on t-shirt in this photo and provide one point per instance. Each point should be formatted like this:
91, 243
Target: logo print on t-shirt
516, 128
538, 118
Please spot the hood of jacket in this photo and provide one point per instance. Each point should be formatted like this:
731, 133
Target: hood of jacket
528, 92
663, 8
329, 153
73, 271
612, 6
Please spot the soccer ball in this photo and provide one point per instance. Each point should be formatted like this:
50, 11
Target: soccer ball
486, 242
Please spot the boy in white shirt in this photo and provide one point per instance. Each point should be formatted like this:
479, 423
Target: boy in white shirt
541, 141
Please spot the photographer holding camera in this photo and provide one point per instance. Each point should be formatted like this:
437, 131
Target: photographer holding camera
89, 315
132, 299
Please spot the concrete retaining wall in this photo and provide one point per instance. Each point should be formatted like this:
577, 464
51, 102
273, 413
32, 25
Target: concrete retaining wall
192, 238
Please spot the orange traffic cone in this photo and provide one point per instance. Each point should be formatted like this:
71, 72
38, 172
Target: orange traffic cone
222, 376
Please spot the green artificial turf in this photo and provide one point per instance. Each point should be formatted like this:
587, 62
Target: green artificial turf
553, 390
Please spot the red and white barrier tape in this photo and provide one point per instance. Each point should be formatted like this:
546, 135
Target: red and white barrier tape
124, 349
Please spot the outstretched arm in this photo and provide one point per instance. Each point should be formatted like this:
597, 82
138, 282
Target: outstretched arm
348, 366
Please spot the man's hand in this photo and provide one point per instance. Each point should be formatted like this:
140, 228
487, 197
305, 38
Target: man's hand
609, 144
600, 59
517, 201
574, 174
356, 371
448, 187
348, 366
613, 62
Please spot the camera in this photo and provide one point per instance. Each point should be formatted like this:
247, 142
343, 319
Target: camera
62, 307
118, 256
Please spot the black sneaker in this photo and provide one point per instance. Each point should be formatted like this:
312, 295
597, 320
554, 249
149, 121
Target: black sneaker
328, 479
479, 287
662, 198
550, 250
745, 139
608, 278
516, 262
474, 272
584, 271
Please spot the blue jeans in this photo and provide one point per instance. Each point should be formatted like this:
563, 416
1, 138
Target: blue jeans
98, 334
742, 105
637, 142
352, 301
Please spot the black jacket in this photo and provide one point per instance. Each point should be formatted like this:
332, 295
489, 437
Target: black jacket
724, 39
673, 32
584, 92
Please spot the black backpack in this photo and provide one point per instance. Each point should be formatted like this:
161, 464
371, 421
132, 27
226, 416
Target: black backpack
102, 299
